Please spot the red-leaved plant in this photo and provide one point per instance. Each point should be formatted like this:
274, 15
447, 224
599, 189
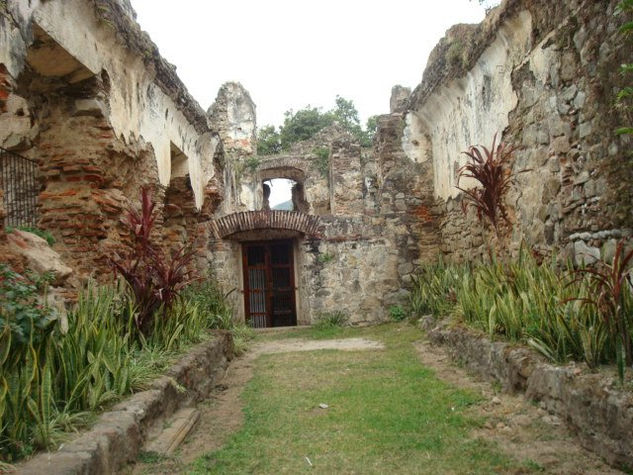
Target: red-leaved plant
611, 288
490, 168
154, 279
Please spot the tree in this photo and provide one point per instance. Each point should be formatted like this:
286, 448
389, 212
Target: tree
305, 123
268, 141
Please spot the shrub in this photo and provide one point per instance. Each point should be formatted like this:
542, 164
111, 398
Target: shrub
26, 325
609, 291
53, 376
154, 279
489, 167
434, 289
211, 302
331, 320
322, 160
397, 313
522, 300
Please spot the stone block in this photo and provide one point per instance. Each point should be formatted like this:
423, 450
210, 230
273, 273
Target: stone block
584, 254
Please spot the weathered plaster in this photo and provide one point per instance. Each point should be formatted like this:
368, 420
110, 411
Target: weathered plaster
468, 110
138, 107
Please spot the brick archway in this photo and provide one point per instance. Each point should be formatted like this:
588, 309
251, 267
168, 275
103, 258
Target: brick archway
266, 220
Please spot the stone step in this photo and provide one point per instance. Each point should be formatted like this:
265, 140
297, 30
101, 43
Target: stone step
179, 425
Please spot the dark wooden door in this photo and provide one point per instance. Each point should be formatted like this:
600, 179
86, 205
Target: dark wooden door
269, 284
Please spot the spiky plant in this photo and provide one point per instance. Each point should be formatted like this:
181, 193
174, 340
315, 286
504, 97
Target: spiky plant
610, 292
154, 279
490, 168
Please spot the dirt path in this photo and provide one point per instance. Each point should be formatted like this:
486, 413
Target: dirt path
519, 428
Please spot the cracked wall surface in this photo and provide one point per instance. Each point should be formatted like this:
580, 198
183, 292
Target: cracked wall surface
543, 77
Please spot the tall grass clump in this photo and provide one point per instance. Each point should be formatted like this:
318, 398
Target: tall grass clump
55, 373
26, 325
525, 300
435, 289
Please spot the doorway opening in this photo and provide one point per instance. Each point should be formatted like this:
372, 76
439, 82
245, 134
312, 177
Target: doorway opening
269, 284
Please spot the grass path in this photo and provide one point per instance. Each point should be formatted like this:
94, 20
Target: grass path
400, 409
386, 413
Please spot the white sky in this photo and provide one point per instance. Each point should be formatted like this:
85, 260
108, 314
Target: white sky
293, 53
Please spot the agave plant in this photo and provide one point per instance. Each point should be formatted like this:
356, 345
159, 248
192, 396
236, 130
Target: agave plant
489, 167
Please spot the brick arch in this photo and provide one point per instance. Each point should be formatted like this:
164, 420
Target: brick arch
265, 220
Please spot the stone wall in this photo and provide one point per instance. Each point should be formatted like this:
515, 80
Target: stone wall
85, 93
542, 75
591, 403
118, 435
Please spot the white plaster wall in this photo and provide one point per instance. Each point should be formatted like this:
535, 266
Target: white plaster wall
139, 108
469, 110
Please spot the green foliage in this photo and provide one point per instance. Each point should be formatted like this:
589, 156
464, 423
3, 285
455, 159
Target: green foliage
215, 309
22, 312
242, 335
435, 287
327, 320
322, 160
370, 130
55, 373
154, 278
252, 163
26, 326
305, 123
522, 301
491, 169
302, 125
610, 293
46, 235
207, 296
397, 313
325, 258
268, 141
455, 54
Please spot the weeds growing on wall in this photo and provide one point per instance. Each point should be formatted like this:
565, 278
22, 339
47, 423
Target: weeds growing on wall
529, 301
54, 374
322, 160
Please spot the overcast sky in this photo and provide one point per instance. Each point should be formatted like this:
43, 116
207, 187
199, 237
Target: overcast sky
293, 53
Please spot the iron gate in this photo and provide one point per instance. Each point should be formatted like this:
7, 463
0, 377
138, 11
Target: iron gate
19, 182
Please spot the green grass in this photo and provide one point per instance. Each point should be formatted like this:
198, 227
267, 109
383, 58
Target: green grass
387, 413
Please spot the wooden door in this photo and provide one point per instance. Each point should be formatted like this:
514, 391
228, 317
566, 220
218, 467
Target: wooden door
269, 285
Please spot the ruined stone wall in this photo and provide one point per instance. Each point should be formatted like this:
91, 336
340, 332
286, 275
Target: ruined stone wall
544, 75
346, 185
405, 198
351, 269
85, 93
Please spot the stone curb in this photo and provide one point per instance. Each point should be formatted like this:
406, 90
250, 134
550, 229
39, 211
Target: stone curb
118, 435
589, 403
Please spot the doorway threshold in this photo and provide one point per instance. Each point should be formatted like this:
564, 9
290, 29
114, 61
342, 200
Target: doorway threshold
278, 329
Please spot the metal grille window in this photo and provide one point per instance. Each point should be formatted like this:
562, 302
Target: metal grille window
19, 182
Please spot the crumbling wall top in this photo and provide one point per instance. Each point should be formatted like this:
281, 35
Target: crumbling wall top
120, 16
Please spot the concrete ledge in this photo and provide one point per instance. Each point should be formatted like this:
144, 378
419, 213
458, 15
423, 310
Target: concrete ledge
118, 435
590, 403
